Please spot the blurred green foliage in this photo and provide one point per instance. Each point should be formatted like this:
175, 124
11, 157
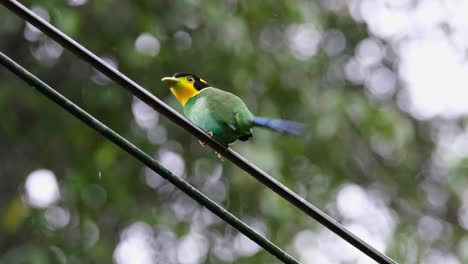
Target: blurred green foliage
353, 139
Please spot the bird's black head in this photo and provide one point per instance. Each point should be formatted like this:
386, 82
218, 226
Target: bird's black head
198, 84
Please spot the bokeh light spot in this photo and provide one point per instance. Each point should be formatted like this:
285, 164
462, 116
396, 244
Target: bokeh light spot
41, 188
57, 217
77, 2
136, 245
145, 116
303, 40
183, 40
173, 161
147, 44
192, 249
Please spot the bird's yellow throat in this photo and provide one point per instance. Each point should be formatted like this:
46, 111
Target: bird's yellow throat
184, 92
185, 86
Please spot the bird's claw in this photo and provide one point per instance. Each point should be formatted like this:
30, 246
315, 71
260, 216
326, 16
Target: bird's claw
204, 143
210, 133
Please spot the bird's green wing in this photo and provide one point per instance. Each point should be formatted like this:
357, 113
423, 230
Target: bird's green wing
221, 112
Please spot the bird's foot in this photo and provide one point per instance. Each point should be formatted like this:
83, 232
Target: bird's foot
204, 143
220, 156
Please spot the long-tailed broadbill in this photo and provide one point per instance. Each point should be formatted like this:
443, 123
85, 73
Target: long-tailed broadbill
221, 114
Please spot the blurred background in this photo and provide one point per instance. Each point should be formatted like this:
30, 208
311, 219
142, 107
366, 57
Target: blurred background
381, 86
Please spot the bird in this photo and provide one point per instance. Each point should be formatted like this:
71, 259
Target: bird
221, 114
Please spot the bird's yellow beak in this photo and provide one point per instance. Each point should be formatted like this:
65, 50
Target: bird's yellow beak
171, 81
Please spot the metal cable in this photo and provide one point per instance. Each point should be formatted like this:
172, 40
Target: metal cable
146, 159
175, 117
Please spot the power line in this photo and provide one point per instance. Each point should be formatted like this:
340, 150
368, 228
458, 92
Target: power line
146, 159
175, 117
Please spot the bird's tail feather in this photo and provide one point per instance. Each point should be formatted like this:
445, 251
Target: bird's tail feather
285, 126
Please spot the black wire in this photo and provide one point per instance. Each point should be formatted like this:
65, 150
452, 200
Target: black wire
175, 117
146, 159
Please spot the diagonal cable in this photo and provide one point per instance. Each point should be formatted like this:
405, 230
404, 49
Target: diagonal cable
111, 135
175, 117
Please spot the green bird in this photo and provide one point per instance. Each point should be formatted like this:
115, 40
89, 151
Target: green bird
221, 114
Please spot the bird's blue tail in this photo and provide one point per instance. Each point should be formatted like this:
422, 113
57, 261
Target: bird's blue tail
285, 126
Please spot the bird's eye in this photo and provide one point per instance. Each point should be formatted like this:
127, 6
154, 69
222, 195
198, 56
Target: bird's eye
190, 79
